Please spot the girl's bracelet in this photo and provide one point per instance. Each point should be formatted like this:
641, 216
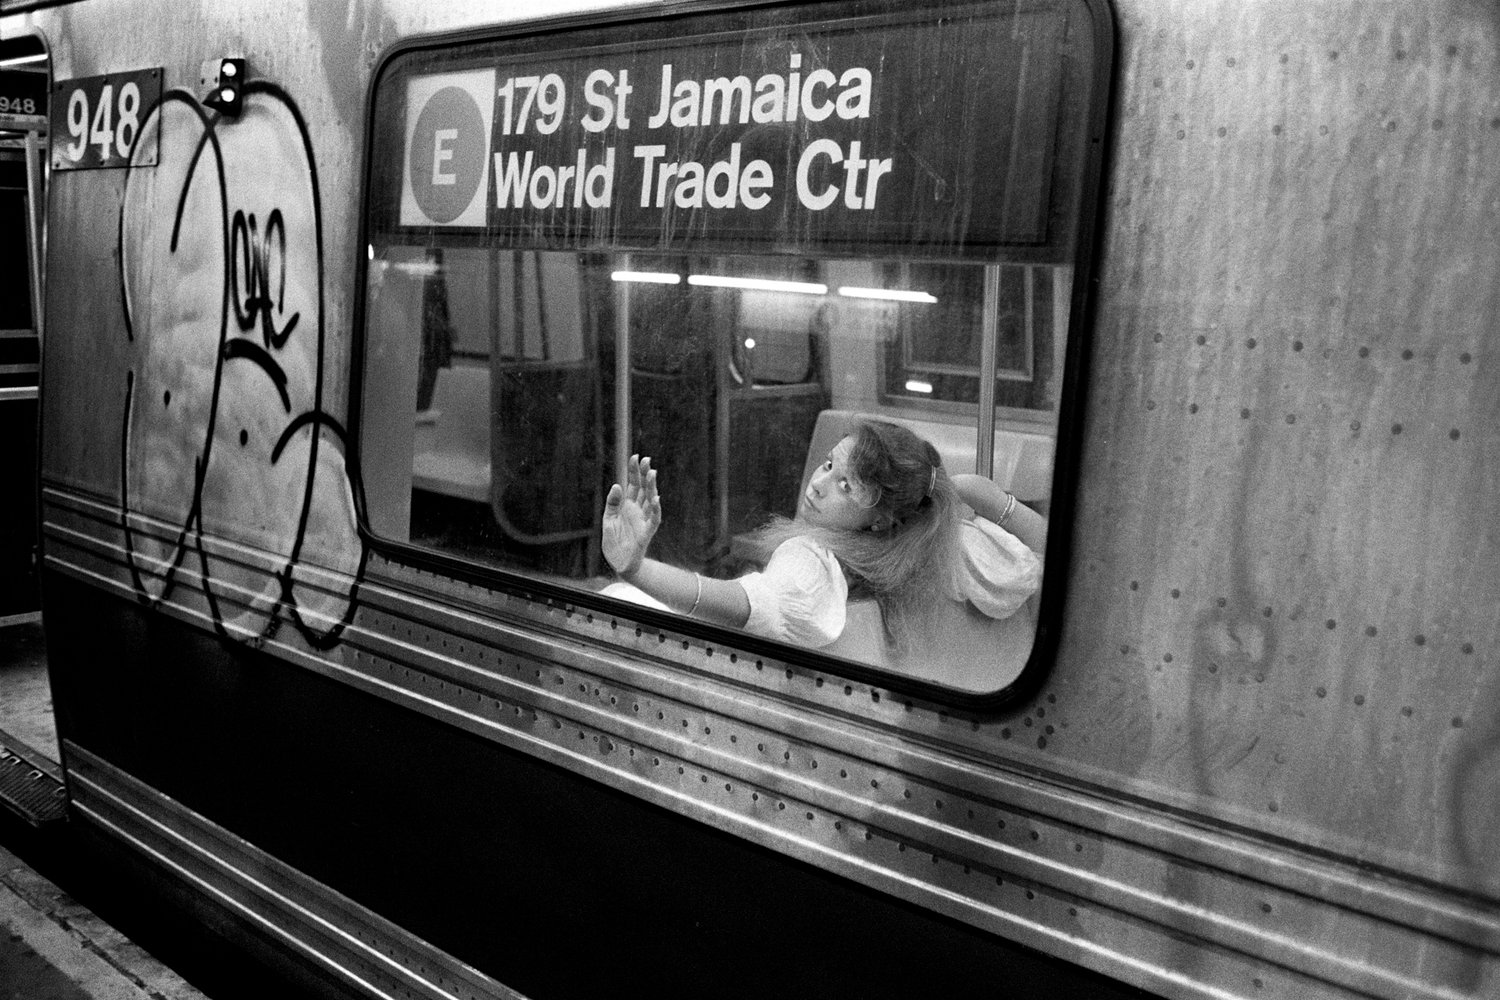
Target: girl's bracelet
1010, 506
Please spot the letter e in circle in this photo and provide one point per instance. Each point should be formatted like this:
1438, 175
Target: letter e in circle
445, 155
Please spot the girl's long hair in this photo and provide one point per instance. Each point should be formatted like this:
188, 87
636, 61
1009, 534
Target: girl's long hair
906, 565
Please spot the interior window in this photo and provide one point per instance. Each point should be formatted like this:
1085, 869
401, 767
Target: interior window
724, 241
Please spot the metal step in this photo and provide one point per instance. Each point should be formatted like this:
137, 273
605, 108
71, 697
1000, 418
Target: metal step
27, 787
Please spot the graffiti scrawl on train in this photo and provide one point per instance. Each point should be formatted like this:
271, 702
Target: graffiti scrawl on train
233, 474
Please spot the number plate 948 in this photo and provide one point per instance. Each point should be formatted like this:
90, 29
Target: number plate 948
96, 120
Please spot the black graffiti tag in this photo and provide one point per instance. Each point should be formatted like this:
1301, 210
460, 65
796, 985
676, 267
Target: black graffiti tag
251, 270
287, 484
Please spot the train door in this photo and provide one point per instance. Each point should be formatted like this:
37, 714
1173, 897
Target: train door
23, 138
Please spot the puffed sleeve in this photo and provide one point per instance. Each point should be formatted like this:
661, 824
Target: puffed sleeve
800, 597
997, 571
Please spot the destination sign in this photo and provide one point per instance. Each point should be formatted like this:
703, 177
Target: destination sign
892, 128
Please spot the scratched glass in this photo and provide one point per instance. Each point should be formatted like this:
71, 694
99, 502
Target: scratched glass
576, 256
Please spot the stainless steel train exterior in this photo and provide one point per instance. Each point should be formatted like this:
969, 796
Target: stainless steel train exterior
1259, 756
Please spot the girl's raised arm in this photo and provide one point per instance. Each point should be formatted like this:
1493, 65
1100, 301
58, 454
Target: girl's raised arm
632, 513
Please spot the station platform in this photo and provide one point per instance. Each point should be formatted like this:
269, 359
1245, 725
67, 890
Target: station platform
52, 945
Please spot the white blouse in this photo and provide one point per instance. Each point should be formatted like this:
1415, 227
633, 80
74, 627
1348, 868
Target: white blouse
800, 596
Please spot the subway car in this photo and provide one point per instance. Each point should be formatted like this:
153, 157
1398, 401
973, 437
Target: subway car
355, 312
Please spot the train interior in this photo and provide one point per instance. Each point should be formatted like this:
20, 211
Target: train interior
504, 390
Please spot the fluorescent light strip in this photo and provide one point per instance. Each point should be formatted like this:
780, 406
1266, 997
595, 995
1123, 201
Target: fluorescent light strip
915, 386
894, 294
650, 277
22, 60
758, 284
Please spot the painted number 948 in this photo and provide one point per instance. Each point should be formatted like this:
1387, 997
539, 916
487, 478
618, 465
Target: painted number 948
112, 124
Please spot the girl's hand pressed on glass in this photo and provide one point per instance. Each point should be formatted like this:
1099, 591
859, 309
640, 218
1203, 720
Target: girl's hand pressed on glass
632, 514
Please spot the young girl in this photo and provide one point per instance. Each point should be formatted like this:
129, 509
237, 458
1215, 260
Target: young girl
879, 518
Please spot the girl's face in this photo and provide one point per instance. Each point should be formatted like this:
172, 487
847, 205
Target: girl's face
834, 498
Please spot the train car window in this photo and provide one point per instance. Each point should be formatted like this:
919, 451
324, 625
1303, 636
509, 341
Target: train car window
934, 358
726, 240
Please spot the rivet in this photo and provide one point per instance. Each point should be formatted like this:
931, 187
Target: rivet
1406, 355
1322, 692
1364, 352
1453, 434
1458, 722
1395, 428
1250, 343
1466, 357
1245, 413
1359, 699
1296, 345
1419, 639
1202, 340
1275, 129
1331, 624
